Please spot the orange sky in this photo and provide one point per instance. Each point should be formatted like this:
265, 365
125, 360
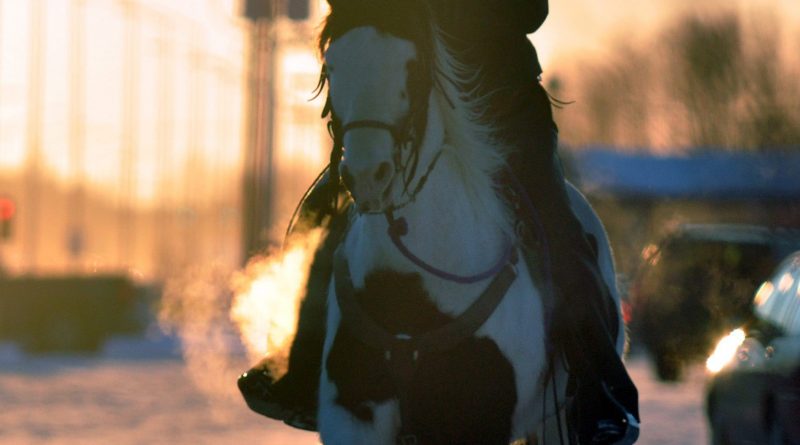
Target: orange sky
574, 27
209, 28
580, 27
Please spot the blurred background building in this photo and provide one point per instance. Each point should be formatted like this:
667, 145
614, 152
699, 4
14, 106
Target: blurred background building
142, 136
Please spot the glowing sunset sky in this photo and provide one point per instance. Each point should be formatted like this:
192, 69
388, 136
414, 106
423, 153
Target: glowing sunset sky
588, 27
203, 42
573, 27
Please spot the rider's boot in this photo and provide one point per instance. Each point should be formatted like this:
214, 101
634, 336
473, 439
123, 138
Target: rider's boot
277, 400
606, 398
293, 397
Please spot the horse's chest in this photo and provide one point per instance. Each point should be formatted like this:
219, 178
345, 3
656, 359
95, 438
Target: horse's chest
466, 394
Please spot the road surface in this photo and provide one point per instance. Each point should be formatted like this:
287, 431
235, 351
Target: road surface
135, 393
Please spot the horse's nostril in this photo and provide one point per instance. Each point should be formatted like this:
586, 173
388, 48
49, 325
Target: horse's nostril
383, 172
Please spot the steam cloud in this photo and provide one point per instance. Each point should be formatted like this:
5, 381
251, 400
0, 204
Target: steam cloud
229, 320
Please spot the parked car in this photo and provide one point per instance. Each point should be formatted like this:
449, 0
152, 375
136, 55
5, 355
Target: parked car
753, 394
69, 313
696, 284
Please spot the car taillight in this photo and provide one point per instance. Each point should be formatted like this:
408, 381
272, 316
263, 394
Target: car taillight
627, 312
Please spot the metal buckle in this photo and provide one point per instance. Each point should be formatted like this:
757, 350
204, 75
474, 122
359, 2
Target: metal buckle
402, 349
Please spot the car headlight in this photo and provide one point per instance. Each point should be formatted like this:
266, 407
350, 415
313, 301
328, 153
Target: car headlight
725, 351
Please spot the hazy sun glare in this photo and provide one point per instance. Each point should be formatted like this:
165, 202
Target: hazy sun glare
88, 87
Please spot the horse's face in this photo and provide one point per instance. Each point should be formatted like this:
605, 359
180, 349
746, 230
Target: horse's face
367, 73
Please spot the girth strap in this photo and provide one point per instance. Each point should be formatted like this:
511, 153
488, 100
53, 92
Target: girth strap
402, 351
363, 327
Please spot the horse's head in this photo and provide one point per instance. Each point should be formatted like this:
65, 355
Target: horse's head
379, 86
368, 75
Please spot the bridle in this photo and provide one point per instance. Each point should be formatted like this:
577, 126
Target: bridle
403, 137
406, 135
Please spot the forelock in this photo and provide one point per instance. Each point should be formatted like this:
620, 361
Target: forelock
405, 19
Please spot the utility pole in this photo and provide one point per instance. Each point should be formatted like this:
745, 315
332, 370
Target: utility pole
165, 208
33, 134
259, 169
76, 236
1, 77
194, 183
259, 116
126, 229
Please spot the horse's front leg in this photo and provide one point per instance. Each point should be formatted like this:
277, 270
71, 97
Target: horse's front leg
338, 425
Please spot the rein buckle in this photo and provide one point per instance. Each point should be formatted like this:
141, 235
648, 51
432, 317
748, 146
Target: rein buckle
402, 359
403, 348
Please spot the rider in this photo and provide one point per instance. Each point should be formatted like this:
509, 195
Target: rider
492, 36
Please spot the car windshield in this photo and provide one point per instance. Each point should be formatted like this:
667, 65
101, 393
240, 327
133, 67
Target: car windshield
778, 300
725, 275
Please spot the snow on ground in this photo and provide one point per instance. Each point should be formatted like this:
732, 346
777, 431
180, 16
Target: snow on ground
142, 392
672, 413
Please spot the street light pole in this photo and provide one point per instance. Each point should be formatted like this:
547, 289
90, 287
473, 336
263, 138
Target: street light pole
77, 144
30, 206
260, 150
126, 229
260, 99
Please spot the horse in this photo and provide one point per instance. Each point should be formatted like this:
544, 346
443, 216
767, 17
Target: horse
436, 320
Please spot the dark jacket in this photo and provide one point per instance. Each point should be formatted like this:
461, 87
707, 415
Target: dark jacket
492, 36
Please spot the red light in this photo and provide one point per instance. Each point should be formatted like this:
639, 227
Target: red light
627, 312
7, 209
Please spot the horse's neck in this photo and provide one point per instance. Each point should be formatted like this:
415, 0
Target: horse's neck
447, 228
450, 226
456, 223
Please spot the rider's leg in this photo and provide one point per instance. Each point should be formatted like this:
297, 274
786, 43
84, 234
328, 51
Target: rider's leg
585, 327
293, 398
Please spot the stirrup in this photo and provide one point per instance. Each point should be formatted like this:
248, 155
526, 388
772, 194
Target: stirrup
631, 432
611, 433
256, 388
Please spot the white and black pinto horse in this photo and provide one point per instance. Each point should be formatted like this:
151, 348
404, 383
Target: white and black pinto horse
409, 356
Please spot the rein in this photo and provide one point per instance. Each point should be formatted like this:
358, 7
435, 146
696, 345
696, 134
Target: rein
437, 340
398, 227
